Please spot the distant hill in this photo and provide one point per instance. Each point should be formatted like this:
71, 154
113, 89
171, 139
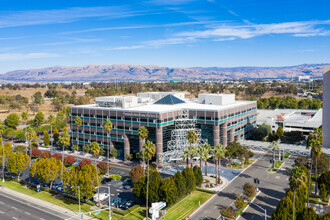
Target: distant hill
126, 72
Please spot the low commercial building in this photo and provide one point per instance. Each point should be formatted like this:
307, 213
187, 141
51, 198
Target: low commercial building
219, 118
301, 120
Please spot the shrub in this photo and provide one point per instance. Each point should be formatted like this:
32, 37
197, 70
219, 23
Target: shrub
84, 162
205, 190
229, 213
249, 190
115, 176
20, 149
198, 175
57, 156
239, 202
103, 167
45, 154
36, 153
323, 192
69, 160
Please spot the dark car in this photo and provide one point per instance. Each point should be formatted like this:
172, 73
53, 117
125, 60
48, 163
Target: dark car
106, 180
128, 204
46, 184
121, 203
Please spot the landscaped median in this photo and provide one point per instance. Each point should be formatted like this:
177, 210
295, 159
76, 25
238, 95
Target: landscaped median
278, 165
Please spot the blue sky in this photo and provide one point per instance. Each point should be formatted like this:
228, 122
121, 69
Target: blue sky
175, 33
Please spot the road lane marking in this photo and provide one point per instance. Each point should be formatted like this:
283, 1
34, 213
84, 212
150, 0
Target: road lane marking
1, 212
14, 218
14, 207
27, 213
1, 203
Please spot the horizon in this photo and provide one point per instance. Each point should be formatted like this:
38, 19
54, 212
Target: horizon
177, 33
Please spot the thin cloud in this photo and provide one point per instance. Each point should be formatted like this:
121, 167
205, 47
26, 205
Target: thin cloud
168, 2
19, 56
232, 32
57, 16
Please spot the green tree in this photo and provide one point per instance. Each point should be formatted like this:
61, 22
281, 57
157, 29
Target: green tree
280, 131
239, 202
249, 190
143, 135
25, 116
325, 179
18, 163
261, 132
190, 180
86, 148
308, 213
107, 125
37, 98
192, 138
85, 177
180, 183
200, 153
296, 178
218, 153
74, 148
12, 121
46, 169
30, 135
168, 191
95, 148
314, 142
150, 150
323, 192
56, 135
46, 138
206, 155
274, 146
129, 157
39, 119
198, 175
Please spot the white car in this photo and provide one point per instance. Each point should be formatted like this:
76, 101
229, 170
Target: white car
102, 196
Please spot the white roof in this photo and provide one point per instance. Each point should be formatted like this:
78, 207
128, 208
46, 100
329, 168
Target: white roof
161, 108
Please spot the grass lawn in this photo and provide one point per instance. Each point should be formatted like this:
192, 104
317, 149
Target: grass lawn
278, 164
237, 166
182, 209
286, 155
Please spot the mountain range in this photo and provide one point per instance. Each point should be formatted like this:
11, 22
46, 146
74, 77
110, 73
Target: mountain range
126, 72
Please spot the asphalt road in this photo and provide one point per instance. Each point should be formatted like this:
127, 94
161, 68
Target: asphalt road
272, 187
15, 208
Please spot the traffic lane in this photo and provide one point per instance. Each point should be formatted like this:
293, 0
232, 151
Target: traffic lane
272, 191
24, 210
227, 196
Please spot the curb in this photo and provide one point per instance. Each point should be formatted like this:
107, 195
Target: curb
247, 206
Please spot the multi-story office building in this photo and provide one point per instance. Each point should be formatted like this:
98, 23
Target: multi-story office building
220, 118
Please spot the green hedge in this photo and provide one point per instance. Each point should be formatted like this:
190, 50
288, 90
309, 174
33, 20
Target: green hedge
123, 213
205, 190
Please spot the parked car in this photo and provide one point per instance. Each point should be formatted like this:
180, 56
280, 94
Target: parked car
128, 186
106, 180
115, 201
128, 204
56, 185
121, 203
46, 184
75, 163
102, 196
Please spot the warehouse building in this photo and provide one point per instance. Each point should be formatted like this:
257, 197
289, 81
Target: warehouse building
219, 118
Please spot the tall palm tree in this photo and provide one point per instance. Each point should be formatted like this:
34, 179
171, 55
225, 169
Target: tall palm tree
143, 135
51, 121
200, 153
30, 135
192, 138
297, 177
218, 153
107, 125
192, 154
274, 146
314, 142
150, 150
206, 155
2, 130
185, 156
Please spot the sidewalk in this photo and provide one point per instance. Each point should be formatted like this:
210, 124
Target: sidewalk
41, 203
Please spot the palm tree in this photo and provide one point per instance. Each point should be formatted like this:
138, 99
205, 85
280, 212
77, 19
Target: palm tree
77, 122
2, 130
314, 142
51, 121
296, 178
150, 150
185, 155
192, 138
200, 153
30, 135
143, 135
192, 154
218, 153
206, 155
107, 125
273, 146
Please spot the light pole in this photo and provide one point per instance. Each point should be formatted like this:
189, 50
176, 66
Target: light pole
109, 199
310, 164
262, 209
80, 216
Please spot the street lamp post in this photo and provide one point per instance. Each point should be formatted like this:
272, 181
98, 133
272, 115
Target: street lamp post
310, 164
109, 199
262, 209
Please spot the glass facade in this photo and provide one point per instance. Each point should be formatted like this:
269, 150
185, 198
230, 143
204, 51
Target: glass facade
207, 133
